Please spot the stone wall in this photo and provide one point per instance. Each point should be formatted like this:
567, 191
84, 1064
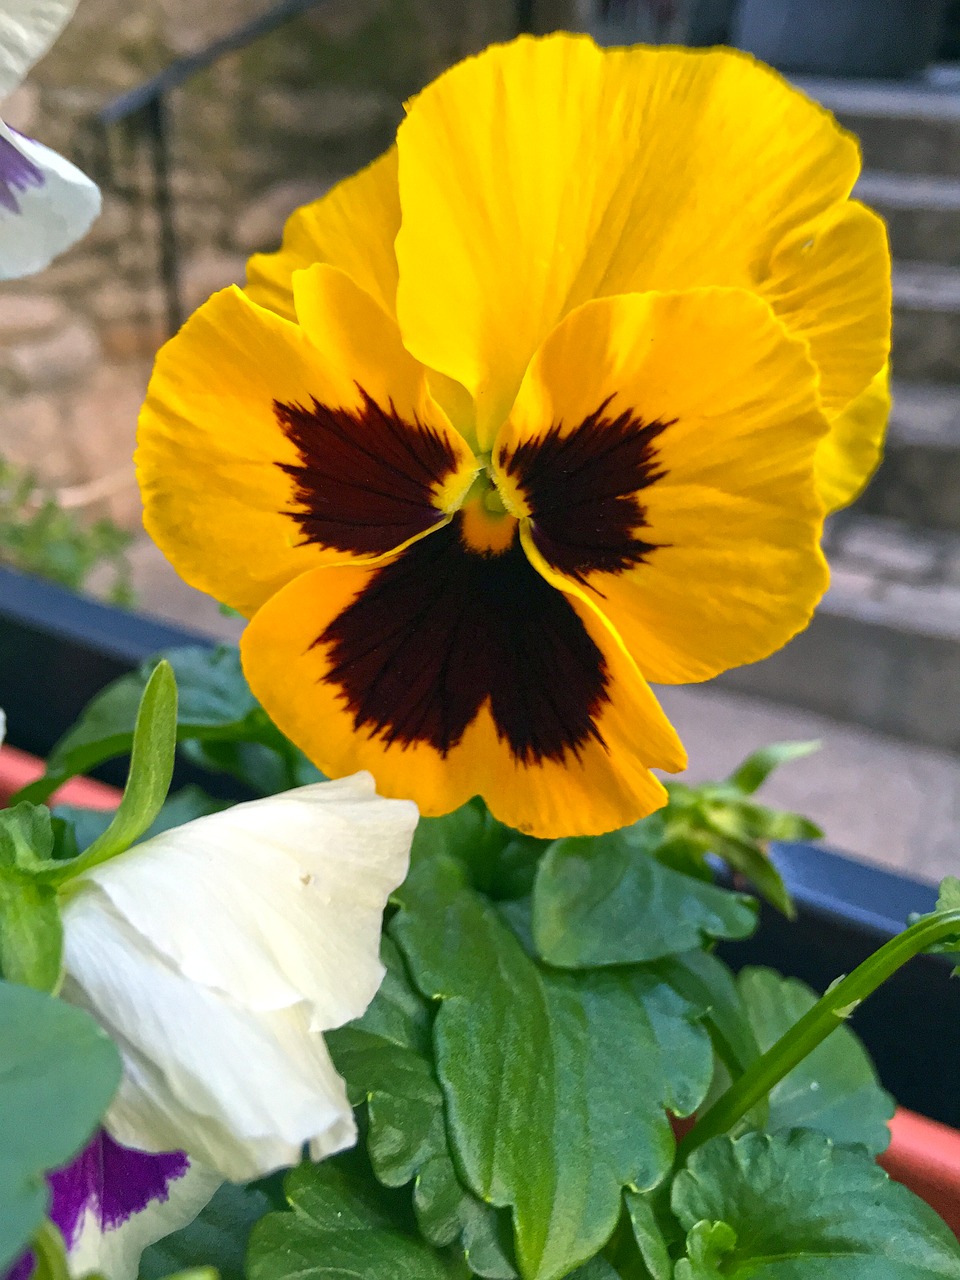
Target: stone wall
264, 130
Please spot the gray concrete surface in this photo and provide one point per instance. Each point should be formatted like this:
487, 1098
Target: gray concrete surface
876, 797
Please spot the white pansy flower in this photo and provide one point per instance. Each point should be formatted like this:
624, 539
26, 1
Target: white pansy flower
46, 203
216, 954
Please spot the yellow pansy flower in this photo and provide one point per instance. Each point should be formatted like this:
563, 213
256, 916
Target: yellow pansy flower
543, 405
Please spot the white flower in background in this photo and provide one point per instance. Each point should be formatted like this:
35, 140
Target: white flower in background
216, 954
46, 203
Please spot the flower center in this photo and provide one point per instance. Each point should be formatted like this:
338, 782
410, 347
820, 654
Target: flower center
486, 526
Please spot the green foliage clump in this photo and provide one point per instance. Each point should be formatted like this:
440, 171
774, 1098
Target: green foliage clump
38, 536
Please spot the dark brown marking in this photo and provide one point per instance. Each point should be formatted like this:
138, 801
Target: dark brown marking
582, 488
366, 478
442, 628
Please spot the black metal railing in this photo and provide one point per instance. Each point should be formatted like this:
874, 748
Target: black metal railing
144, 112
143, 115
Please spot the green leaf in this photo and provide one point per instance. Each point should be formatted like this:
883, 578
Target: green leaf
502, 862
532, 1065
398, 1013
183, 806
31, 932
757, 768
195, 1273
403, 1098
709, 985
746, 855
31, 936
26, 836
215, 706
447, 1212
948, 899
648, 1235
796, 1207
595, 1269
608, 901
58, 1072
835, 1089
218, 1235
342, 1227
386, 1060
148, 781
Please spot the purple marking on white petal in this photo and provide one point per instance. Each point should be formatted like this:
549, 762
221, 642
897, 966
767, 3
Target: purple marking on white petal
17, 174
113, 1181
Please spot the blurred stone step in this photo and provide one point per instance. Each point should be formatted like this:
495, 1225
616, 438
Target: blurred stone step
919, 478
926, 321
922, 213
884, 647
910, 127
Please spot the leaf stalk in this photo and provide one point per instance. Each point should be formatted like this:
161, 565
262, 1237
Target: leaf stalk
830, 1011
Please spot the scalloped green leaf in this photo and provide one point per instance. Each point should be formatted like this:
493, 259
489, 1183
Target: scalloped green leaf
386, 1059
796, 1207
533, 1065
217, 1237
607, 900
835, 1089
342, 1227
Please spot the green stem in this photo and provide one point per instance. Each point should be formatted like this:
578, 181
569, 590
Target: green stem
50, 1253
813, 1028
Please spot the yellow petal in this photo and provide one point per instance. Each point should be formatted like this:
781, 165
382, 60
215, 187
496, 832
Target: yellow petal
849, 455
352, 227
544, 173
412, 680
686, 509
829, 282
245, 487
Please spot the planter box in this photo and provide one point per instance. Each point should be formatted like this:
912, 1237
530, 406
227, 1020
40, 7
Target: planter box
57, 651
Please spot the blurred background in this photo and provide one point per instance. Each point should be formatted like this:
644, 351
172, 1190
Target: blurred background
207, 124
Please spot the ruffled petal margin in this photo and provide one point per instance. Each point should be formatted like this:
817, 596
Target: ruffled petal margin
352, 227
544, 173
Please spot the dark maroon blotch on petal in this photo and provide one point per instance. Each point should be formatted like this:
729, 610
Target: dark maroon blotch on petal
366, 479
443, 628
582, 488
17, 174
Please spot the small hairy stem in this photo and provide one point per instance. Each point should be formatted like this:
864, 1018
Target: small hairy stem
827, 1014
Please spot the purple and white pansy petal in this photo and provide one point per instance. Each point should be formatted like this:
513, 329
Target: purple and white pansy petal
111, 1202
46, 204
27, 30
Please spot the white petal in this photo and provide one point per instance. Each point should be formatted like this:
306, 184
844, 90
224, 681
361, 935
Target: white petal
3, 725
46, 205
114, 1251
239, 1091
27, 30
274, 901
